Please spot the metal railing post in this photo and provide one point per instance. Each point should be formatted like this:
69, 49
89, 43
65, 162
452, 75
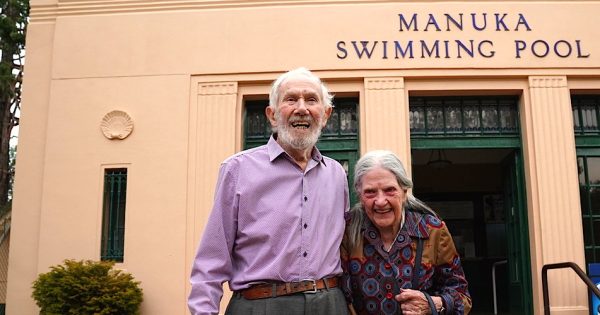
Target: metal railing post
500, 262
575, 268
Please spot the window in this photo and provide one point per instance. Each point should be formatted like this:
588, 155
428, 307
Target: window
586, 109
589, 188
339, 138
113, 214
451, 116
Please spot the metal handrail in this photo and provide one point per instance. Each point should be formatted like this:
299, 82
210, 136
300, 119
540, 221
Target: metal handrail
500, 262
575, 268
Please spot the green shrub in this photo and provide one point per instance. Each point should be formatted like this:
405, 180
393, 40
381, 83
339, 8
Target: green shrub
87, 287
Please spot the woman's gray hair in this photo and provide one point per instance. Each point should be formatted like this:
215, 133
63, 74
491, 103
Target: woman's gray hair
274, 95
388, 161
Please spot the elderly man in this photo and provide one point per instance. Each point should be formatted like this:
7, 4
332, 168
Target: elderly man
278, 216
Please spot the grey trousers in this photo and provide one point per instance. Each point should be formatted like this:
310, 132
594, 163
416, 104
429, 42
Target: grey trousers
324, 302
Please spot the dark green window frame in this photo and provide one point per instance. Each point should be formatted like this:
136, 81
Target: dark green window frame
113, 214
586, 114
586, 118
464, 121
590, 204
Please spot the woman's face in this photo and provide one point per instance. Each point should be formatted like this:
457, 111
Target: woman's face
383, 199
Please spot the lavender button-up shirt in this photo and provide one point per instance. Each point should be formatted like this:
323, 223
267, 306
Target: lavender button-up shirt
270, 221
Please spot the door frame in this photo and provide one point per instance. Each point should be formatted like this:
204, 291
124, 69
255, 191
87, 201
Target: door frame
496, 142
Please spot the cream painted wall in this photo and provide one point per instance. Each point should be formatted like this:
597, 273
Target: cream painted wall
181, 70
27, 202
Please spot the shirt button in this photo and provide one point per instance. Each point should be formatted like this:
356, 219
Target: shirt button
305, 198
389, 296
305, 225
304, 254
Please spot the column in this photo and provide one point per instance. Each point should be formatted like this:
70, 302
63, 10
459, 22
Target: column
212, 139
553, 193
385, 120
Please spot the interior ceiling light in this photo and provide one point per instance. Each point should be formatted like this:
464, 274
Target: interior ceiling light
437, 159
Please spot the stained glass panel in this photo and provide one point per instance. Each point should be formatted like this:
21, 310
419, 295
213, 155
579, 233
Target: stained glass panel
463, 115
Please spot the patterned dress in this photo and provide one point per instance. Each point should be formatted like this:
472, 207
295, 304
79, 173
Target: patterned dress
372, 276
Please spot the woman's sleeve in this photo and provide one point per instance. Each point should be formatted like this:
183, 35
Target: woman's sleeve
345, 258
449, 280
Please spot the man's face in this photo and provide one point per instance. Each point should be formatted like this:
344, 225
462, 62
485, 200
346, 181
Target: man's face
300, 113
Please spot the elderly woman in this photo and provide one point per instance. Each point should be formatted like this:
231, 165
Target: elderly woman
397, 254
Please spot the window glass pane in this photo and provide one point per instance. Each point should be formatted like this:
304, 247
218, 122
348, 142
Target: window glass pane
508, 118
587, 233
471, 115
257, 124
417, 119
584, 199
576, 121
580, 170
113, 216
595, 200
596, 232
489, 118
453, 119
471, 118
333, 123
348, 121
589, 118
435, 119
593, 170
589, 254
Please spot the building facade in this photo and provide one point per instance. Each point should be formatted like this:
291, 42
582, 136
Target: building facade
129, 108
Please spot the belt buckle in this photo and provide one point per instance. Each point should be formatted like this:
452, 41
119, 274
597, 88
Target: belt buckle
314, 284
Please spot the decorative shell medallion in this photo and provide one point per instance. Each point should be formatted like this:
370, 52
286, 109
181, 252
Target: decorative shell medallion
116, 125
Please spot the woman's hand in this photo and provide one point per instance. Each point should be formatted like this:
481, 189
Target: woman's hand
414, 302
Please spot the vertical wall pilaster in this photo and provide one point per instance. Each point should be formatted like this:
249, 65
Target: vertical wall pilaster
554, 208
212, 139
386, 123
215, 133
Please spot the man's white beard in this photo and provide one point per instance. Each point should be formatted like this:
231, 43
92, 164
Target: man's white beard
284, 132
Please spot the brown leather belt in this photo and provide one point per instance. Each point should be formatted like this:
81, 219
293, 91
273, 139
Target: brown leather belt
267, 290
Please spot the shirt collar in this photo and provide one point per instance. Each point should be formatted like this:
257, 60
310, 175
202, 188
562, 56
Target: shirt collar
276, 150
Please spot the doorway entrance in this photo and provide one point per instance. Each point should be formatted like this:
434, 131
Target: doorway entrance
478, 193
467, 165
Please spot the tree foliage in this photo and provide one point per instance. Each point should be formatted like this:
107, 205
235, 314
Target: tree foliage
87, 287
13, 26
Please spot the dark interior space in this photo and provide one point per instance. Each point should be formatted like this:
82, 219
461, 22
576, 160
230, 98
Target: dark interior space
465, 187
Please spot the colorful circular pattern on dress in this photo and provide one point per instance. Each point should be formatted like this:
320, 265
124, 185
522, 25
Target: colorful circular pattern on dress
354, 266
370, 287
407, 253
433, 221
401, 238
389, 306
388, 284
370, 268
369, 250
386, 272
372, 306
407, 271
372, 234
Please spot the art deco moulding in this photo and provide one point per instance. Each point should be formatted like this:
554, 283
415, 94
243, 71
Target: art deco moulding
116, 125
